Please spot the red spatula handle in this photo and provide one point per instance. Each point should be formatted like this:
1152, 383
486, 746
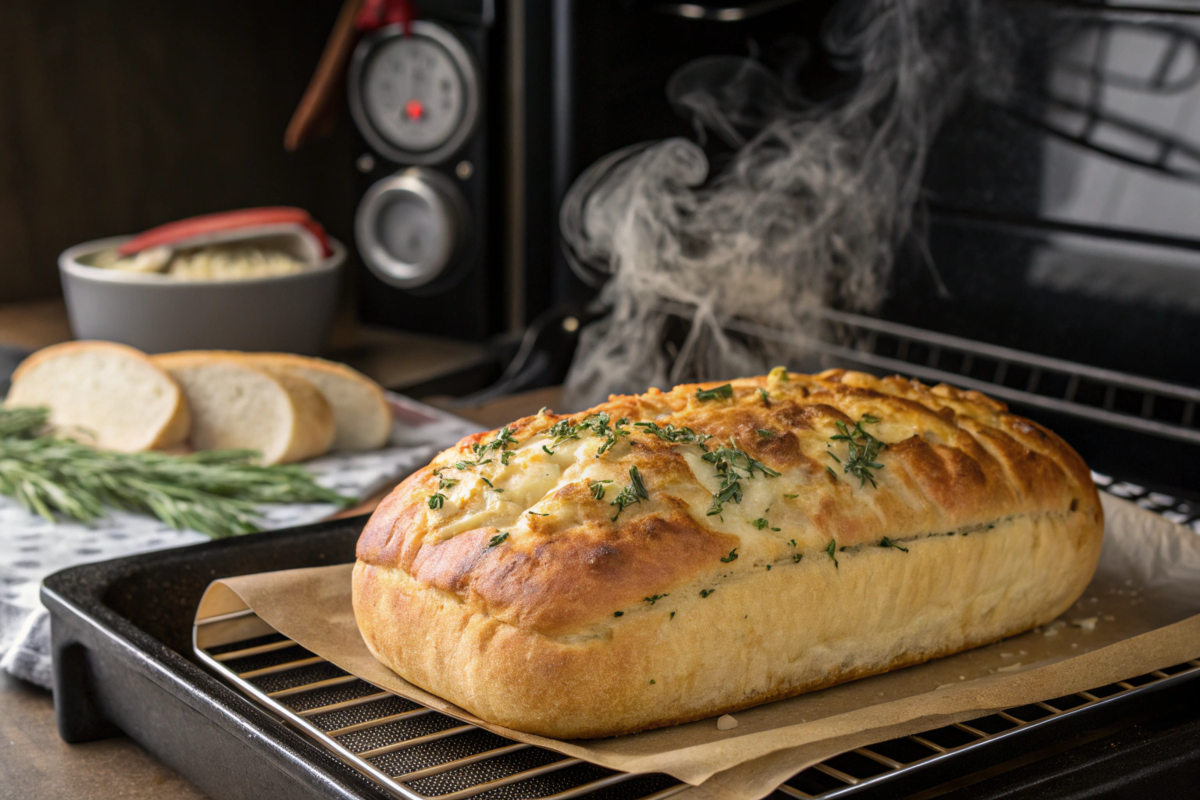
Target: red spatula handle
226, 220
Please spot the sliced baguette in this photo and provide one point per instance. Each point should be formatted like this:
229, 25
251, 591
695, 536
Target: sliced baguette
237, 405
113, 396
363, 417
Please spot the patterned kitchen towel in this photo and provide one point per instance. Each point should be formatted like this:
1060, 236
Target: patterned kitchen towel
32, 548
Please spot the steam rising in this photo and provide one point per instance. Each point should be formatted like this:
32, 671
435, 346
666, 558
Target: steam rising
809, 211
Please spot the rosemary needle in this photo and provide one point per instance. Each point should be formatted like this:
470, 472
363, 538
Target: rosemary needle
214, 492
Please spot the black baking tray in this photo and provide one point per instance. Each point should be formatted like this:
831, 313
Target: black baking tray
121, 634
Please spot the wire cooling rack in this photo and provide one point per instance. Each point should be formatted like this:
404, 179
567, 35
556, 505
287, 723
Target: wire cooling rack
416, 753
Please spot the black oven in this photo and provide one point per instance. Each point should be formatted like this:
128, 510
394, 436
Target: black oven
458, 226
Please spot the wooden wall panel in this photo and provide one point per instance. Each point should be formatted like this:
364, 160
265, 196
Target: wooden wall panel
119, 115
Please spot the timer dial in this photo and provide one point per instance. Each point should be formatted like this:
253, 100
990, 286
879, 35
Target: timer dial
414, 97
411, 227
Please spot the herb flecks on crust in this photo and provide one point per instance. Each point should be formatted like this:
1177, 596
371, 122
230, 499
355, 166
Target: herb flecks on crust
719, 393
863, 450
936, 478
732, 465
635, 492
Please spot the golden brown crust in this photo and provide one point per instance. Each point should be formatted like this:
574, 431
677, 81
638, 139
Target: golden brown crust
499, 593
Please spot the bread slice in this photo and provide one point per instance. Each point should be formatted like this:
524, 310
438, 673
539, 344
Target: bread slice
113, 395
236, 405
363, 417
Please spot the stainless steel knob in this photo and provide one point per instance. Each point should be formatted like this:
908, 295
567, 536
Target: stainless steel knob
411, 227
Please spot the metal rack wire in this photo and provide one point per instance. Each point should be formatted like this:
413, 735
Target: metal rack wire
416, 753
1100, 395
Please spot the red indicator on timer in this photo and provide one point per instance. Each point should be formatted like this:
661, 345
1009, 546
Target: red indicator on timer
413, 109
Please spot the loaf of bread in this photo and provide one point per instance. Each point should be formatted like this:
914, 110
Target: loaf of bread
671, 556
107, 394
236, 405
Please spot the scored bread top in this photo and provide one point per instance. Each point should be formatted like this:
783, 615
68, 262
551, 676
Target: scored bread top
563, 530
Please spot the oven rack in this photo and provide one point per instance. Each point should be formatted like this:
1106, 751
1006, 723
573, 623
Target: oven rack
419, 754
1132, 402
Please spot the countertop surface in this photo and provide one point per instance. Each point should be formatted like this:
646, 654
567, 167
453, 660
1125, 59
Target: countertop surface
34, 761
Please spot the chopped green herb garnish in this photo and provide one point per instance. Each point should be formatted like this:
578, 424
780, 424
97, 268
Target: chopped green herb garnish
446, 483
654, 598
618, 613
537, 513
490, 486
611, 439
829, 469
674, 435
791, 496
639, 488
706, 592
731, 557
497, 539
506, 456
768, 567
863, 449
732, 465
760, 523
598, 489
597, 423
634, 493
766, 434
503, 439
652, 681
720, 393
672, 616
796, 557
831, 550
766, 398
436, 500
547, 450
886, 542
792, 542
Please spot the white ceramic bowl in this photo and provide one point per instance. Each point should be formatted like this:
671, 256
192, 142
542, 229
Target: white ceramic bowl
158, 314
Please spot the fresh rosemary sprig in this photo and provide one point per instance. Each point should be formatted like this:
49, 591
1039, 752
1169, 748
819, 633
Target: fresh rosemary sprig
863, 449
215, 492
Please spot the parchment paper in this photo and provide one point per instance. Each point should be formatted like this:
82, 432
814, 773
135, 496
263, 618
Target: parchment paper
1140, 613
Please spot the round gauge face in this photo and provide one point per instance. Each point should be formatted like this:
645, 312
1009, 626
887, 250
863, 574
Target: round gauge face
413, 93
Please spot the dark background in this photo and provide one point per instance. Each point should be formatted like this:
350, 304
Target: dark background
118, 116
